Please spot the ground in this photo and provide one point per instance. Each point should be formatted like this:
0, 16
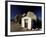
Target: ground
17, 28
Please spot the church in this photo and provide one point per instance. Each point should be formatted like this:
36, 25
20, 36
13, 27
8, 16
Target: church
27, 20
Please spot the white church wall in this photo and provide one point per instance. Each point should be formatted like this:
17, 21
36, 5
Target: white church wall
29, 22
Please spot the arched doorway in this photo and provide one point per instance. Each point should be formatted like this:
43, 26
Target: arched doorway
26, 23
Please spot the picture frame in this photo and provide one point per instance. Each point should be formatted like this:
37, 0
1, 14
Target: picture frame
7, 18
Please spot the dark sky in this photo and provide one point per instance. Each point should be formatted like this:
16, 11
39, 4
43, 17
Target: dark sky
18, 9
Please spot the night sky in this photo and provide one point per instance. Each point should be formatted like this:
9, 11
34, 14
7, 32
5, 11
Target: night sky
18, 10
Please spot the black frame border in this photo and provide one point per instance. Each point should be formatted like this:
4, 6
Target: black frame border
6, 16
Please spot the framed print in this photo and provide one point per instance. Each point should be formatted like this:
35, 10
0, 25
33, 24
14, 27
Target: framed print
24, 18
